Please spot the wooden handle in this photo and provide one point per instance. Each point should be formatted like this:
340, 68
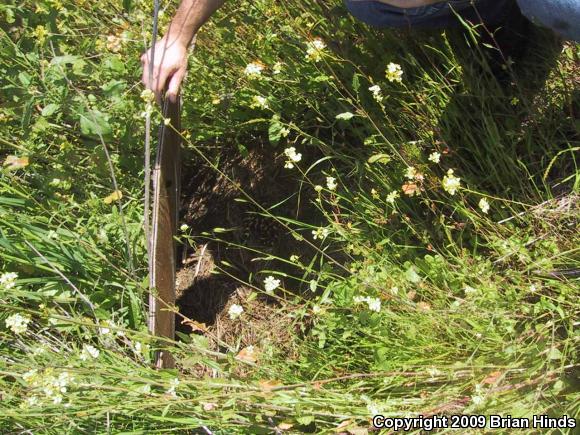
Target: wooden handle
165, 216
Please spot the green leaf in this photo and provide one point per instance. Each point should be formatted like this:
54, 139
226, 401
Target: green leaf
128, 5
275, 130
379, 158
412, 275
49, 109
355, 83
306, 420
25, 79
95, 123
554, 354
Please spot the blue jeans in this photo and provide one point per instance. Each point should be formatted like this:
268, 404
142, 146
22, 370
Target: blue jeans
563, 16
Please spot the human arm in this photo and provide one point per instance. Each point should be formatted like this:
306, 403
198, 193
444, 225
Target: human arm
170, 59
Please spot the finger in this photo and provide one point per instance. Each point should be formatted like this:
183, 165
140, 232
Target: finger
159, 86
145, 67
175, 84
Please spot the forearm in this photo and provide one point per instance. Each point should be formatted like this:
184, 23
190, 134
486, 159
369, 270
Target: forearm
190, 16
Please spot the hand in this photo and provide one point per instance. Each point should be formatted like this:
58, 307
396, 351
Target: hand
170, 66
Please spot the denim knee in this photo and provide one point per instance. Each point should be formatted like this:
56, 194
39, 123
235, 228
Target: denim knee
562, 16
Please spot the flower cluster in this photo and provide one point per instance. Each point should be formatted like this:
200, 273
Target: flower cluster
374, 304
259, 102
52, 385
320, 233
18, 323
292, 157
331, 183
235, 311
271, 284
391, 197
89, 352
254, 69
435, 157
8, 280
484, 205
315, 49
394, 72
451, 183
377, 93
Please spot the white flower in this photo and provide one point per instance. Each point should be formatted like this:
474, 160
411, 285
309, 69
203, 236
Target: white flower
104, 329
254, 69
292, 154
184, 227
394, 72
374, 304
259, 102
314, 49
89, 352
477, 399
451, 183
294, 258
172, 386
293, 157
30, 376
138, 347
18, 323
533, 288
271, 284
32, 401
395, 290
469, 291
331, 183
377, 94
320, 233
318, 188
277, 68
235, 311
7, 280
392, 196
435, 157
484, 205
316, 309
411, 172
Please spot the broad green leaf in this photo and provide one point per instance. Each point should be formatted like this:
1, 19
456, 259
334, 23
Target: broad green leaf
49, 109
94, 123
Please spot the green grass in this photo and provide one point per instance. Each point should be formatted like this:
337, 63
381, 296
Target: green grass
475, 316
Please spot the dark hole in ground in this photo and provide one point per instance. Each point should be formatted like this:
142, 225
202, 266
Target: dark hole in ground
244, 244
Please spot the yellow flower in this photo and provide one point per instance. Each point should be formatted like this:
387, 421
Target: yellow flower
40, 33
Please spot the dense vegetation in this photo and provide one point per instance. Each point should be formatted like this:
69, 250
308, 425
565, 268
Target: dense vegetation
436, 271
